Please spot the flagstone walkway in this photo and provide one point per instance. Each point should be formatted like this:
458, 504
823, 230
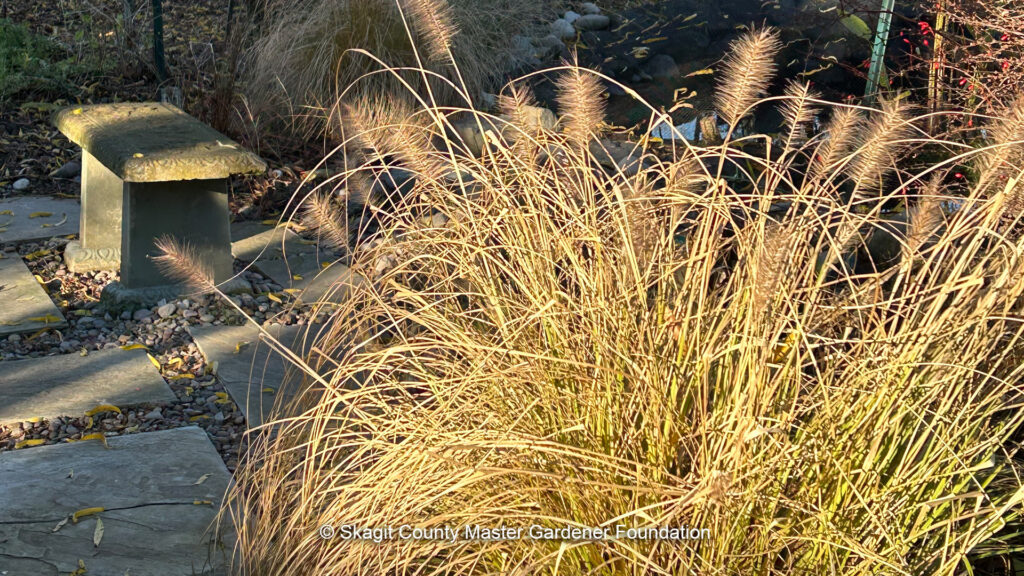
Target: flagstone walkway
123, 502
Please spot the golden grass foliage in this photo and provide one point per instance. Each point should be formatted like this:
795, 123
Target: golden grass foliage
311, 51
575, 346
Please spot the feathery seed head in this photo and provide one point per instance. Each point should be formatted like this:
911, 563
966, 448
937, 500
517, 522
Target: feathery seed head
1005, 158
328, 219
748, 69
839, 133
435, 21
181, 261
796, 111
877, 146
579, 98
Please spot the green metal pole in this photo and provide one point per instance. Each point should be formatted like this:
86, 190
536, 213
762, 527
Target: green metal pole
878, 51
158, 40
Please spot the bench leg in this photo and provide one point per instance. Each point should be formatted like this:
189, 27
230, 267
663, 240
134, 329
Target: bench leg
99, 244
193, 211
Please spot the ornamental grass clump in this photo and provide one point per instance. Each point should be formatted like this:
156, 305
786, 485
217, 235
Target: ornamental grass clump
702, 343
308, 52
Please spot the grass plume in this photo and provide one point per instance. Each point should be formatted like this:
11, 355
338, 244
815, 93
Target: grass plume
581, 104
181, 262
437, 22
329, 220
747, 71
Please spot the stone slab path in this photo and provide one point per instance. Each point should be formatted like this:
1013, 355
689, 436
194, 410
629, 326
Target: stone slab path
148, 485
24, 305
281, 254
70, 384
253, 374
37, 217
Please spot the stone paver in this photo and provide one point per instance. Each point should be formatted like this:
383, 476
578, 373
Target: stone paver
28, 219
71, 384
254, 240
254, 375
24, 305
155, 519
280, 254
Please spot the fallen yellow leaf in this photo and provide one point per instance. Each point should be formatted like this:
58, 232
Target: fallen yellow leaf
154, 361
703, 72
94, 436
103, 408
275, 298
85, 512
81, 565
182, 377
37, 334
48, 319
29, 443
199, 417
134, 347
40, 214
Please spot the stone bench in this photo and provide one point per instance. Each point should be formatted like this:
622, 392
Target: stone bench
149, 170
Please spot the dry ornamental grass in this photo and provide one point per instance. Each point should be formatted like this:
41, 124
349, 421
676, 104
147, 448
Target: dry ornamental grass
699, 344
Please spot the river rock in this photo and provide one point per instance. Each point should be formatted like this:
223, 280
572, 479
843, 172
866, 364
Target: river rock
661, 67
563, 30
67, 170
593, 22
549, 46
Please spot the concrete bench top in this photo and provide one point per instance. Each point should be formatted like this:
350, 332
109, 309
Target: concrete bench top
154, 142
